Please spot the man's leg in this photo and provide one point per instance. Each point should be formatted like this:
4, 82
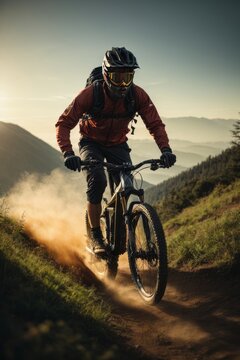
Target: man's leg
94, 212
118, 155
96, 181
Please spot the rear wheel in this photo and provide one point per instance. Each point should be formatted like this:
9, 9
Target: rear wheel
147, 253
104, 268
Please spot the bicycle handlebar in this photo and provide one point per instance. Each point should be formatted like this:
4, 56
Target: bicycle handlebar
155, 164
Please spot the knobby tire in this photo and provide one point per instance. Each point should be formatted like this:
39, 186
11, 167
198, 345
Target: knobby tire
151, 253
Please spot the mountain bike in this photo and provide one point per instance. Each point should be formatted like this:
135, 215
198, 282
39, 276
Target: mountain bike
132, 226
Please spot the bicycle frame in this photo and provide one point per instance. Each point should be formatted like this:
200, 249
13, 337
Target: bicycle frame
117, 206
118, 203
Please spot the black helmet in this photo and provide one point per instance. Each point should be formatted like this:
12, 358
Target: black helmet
119, 60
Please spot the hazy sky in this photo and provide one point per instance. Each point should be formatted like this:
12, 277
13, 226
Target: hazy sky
188, 51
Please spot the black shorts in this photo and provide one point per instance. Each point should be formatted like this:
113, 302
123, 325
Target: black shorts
96, 178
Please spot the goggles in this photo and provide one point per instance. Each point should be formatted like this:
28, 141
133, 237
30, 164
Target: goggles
121, 79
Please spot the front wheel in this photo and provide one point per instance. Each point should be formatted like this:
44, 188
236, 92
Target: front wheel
147, 253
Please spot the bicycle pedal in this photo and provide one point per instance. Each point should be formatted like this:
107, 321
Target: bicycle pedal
90, 250
98, 256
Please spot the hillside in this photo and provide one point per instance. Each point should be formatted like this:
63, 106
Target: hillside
177, 193
22, 152
207, 233
46, 310
200, 209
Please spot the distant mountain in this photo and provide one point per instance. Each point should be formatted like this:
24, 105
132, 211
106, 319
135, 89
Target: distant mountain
143, 149
188, 154
22, 152
155, 177
200, 130
204, 149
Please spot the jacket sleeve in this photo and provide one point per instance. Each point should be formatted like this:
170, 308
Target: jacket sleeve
151, 119
70, 118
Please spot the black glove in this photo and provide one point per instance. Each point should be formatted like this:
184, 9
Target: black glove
168, 158
72, 161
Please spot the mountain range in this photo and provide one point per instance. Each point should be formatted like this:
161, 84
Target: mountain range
194, 129
21, 152
192, 139
188, 154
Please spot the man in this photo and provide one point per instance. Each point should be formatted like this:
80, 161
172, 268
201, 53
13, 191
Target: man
103, 133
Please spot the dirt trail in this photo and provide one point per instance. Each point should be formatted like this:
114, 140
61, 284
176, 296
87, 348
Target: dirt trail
198, 318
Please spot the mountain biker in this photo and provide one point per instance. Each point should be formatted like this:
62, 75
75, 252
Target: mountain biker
103, 135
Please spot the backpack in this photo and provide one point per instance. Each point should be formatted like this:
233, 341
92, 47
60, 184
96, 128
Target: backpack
96, 78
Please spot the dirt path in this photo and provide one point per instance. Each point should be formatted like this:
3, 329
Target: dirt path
198, 318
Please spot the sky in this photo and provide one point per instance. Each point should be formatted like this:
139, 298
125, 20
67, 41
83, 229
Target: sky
188, 52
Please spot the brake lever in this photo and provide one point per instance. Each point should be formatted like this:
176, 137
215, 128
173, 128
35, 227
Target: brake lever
157, 165
154, 166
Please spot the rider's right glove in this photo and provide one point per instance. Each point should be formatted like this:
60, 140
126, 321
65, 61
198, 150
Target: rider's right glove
168, 158
72, 161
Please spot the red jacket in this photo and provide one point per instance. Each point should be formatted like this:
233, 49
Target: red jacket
109, 131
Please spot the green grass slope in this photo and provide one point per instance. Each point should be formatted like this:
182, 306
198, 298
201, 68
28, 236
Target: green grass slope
208, 233
184, 190
45, 311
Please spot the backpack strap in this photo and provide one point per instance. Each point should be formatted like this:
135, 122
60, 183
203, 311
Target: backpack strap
98, 98
98, 104
130, 102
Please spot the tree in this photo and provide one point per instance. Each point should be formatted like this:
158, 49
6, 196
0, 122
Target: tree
234, 165
236, 134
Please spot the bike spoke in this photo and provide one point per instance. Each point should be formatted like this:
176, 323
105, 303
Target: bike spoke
146, 256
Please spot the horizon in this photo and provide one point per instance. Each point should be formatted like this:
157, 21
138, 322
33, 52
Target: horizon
142, 133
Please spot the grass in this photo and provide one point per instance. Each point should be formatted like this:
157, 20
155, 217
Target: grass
46, 312
207, 233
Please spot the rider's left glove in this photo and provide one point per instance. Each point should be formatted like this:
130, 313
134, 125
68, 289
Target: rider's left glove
72, 161
168, 158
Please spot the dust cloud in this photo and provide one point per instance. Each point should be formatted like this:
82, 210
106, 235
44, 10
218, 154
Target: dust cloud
53, 211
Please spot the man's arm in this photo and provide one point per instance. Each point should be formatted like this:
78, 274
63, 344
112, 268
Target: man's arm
70, 118
151, 119
155, 126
